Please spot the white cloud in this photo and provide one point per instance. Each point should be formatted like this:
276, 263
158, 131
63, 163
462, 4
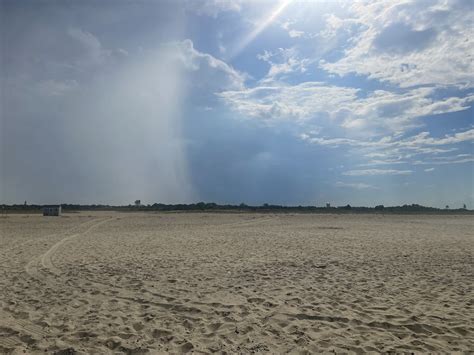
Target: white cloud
93, 52
392, 150
213, 7
265, 56
370, 172
282, 63
407, 43
429, 170
299, 102
396, 112
386, 161
209, 72
447, 161
381, 111
286, 25
56, 88
413, 142
295, 33
357, 185
424, 139
398, 42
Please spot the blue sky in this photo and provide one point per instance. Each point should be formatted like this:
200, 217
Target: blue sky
230, 101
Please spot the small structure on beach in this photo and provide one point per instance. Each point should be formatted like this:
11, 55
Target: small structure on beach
328, 205
54, 210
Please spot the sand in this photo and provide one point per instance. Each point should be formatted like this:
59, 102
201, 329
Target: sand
236, 283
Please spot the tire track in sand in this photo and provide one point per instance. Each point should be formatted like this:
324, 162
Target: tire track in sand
45, 260
5, 253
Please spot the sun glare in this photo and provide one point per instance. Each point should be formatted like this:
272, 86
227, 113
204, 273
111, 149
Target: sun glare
263, 24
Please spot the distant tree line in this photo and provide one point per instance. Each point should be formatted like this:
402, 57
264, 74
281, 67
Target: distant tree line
214, 207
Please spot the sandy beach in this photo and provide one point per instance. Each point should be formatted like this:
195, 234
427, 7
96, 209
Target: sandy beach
135, 283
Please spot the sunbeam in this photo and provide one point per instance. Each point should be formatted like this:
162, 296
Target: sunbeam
262, 26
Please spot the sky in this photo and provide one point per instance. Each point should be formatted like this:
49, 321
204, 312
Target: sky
237, 101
